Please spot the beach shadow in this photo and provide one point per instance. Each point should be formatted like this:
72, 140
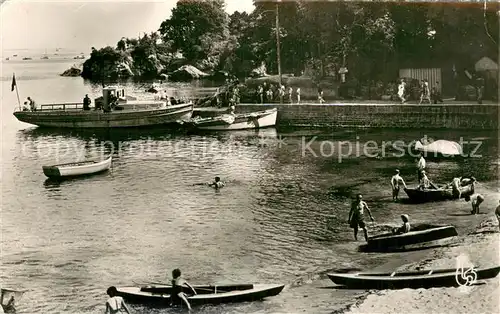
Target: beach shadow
469, 214
339, 287
365, 249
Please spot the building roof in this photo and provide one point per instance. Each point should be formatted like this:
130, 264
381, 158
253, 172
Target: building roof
486, 64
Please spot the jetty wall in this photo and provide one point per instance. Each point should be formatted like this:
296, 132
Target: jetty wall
454, 116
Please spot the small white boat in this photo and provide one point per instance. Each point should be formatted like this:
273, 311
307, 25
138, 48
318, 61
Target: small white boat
440, 147
77, 168
240, 121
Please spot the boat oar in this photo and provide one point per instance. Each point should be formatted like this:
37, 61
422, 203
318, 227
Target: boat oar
168, 285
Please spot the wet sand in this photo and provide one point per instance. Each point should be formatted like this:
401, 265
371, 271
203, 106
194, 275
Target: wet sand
480, 248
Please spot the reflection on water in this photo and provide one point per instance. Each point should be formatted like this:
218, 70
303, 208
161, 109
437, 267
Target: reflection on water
280, 218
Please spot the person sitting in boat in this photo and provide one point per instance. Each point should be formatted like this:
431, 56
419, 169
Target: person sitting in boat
396, 181
425, 183
173, 101
86, 102
476, 199
177, 284
25, 106
217, 183
405, 228
356, 216
115, 304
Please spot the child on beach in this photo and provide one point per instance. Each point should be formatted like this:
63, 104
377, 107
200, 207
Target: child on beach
477, 199
405, 228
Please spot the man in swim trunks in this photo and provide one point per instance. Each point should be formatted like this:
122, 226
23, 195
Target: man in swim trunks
356, 216
396, 181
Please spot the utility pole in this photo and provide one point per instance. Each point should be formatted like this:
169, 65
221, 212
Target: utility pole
278, 51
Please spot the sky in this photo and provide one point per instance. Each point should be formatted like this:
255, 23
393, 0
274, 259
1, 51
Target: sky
81, 24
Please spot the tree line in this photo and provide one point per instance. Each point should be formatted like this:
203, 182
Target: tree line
372, 39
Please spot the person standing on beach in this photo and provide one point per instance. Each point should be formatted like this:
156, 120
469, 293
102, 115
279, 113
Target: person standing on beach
290, 92
420, 166
356, 216
396, 180
260, 92
298, 95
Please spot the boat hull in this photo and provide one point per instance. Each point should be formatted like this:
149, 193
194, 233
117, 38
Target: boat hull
245, 121
416, 279
440, 149
431, 195
76, 169
98, 119
160, 295
389, 241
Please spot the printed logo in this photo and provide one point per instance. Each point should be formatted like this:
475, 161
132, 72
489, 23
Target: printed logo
465, 275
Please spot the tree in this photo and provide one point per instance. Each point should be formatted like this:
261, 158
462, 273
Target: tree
193, 21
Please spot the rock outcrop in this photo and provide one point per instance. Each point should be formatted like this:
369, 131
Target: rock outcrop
187, 73
75, 70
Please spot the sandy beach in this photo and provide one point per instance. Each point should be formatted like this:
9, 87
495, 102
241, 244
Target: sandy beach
480, 248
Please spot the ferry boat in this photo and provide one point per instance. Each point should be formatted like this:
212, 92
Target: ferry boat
112, 110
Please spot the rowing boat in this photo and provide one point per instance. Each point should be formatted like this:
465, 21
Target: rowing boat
413, 279
418, 234
77, 168
240, 121
159, 295
441, 194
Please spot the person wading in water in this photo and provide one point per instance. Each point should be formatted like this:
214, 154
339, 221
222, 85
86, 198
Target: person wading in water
356, 216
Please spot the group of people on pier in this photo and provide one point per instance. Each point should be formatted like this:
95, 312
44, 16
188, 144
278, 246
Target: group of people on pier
426, 94
277, 92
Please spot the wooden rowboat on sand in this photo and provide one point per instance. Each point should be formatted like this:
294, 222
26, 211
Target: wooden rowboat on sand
159, 295
418, 234
413, 279
430, 195
77, 168
239, 121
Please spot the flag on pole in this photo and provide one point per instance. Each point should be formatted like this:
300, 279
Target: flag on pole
13, 82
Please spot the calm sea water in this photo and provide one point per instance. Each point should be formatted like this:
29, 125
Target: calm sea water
281, 216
